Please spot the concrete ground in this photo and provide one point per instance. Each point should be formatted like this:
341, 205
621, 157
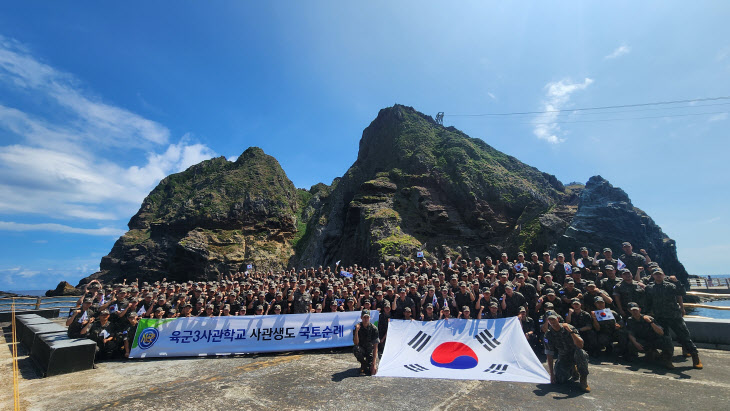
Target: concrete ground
329, 379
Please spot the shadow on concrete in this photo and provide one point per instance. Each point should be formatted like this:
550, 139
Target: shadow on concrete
568, 390
352, 372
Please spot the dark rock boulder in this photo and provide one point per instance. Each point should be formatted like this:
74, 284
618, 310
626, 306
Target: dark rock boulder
64, 289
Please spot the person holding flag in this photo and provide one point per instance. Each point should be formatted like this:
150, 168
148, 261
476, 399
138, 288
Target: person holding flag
606, 327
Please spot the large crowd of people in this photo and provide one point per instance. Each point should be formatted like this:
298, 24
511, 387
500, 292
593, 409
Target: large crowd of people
570, 306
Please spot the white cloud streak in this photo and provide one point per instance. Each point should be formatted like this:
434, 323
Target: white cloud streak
68, 164
60, 228
718, 117
620, 51
557, 97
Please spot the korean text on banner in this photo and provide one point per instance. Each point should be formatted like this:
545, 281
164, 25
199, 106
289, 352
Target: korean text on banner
195, 336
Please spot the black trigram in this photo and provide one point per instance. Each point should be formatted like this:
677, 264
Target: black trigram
415, 367
419, 341
486, 339
497, 368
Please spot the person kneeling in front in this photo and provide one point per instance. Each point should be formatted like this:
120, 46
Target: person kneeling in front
572, 361
366, 342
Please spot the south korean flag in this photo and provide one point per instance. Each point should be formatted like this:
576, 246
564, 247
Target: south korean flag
460, 349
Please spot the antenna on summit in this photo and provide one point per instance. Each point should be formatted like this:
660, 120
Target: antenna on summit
440, 118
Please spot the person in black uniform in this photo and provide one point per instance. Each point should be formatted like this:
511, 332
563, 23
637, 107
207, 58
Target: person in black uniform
366, 342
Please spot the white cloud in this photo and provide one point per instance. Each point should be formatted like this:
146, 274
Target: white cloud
718, 117
60, 228
69, 164
557, 95
620, 51
95, 119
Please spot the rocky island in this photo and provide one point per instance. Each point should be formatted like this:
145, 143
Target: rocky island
415, 186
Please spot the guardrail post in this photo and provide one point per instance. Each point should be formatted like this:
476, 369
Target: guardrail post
38, 303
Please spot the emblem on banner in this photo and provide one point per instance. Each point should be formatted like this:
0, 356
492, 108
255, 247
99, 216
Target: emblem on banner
147, 338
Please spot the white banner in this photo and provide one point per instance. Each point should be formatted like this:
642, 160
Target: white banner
462, 350
196, 336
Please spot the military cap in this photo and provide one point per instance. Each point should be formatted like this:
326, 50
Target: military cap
259, 307
104, 312
657, 271
377, 293
159, 309
386, 303
429, 305
504, 254
132, 314
574, 301
561, 255
446, 308
407, 309
522, 309
626, 244
88, 301
570, 281
533, 253
590, 284
365, 313
462, 284
172, 311
625, 271
584, 249
607, 250
210, 306
401, 290
551, 314
633, 306
551, 292
465, 308
187, 305
599, 299
493, 304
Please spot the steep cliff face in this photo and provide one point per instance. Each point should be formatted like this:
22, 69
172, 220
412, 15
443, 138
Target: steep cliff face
419, 186
209, 221
605, 218
415, 186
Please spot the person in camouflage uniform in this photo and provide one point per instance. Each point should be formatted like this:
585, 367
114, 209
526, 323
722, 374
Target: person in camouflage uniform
563, 340
645, 335
633, 260
301, 300
628, 291
366, 340
607, 331
664, 301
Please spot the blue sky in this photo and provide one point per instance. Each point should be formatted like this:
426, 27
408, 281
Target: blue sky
99, 101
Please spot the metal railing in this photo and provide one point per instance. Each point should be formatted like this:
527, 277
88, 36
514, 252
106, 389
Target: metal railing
703, 282
36, 303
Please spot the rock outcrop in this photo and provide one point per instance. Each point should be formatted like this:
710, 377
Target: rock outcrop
415, 186
64, 289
